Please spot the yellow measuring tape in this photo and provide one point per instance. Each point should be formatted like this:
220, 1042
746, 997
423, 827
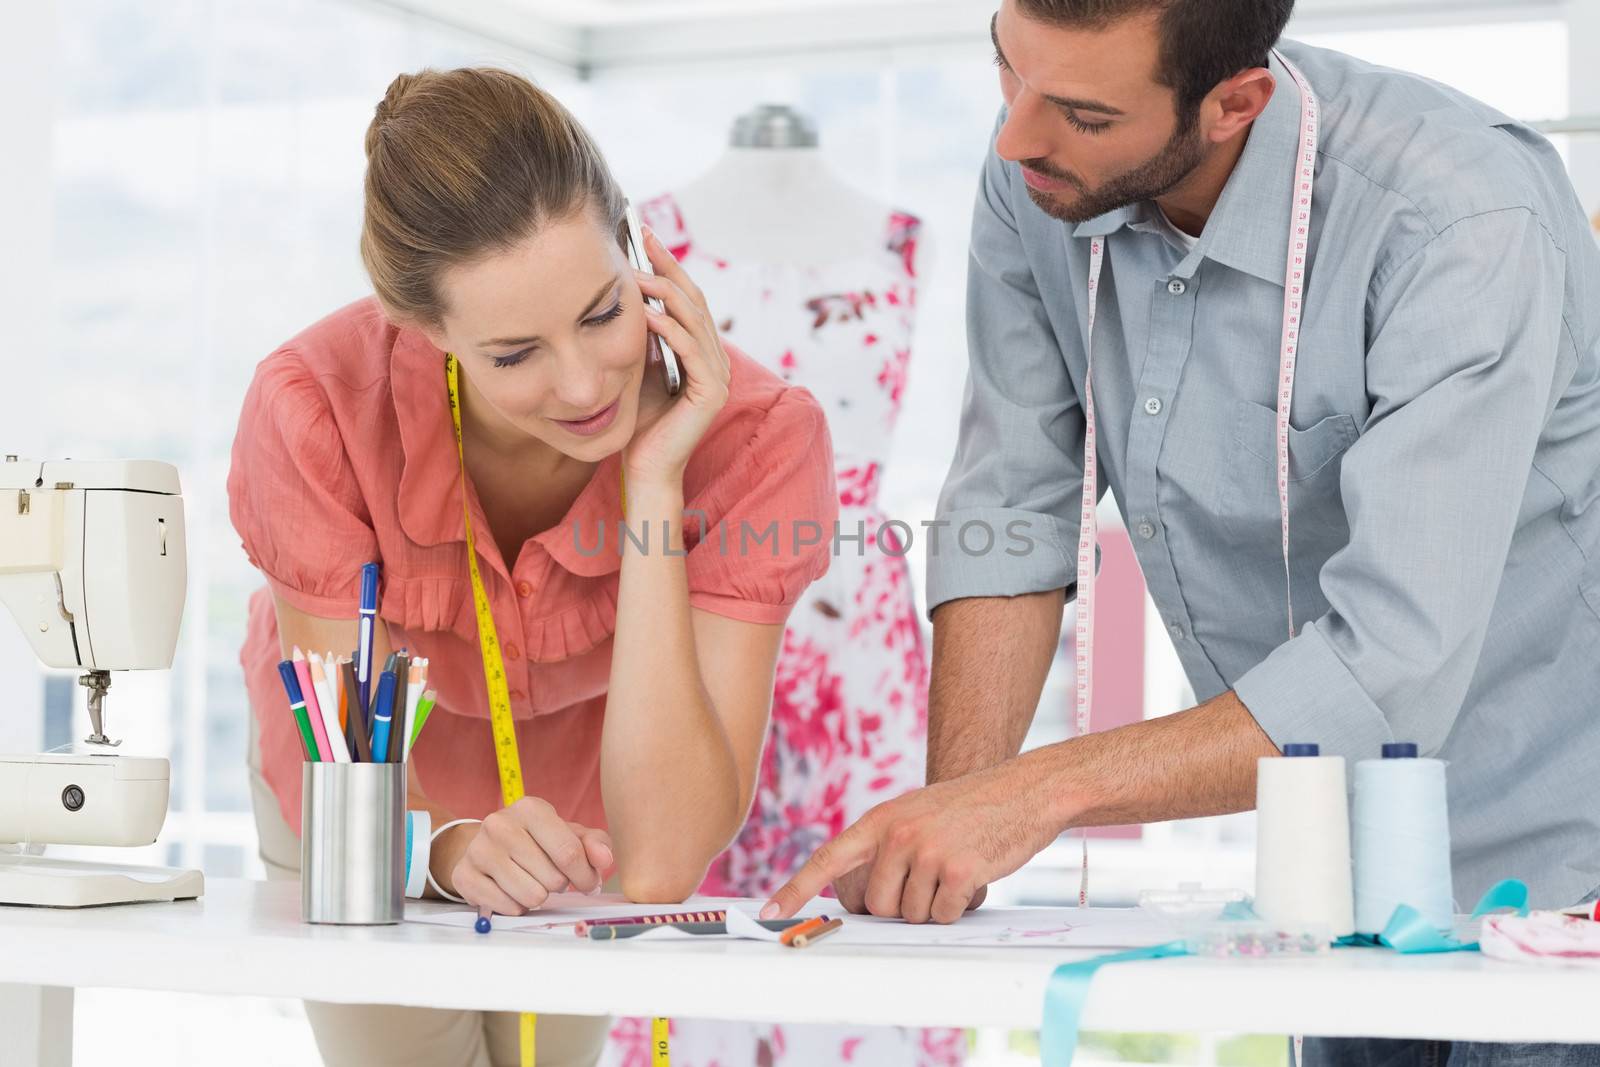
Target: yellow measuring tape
505, 734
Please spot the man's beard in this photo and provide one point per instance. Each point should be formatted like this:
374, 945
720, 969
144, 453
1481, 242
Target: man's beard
1155, 177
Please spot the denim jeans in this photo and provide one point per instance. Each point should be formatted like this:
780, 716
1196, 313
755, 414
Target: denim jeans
1376, 1052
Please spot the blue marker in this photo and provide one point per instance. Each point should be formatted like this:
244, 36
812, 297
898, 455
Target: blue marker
382, 716
291, 684
369, 617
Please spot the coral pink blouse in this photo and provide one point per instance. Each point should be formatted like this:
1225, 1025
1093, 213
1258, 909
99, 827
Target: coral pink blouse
345, 454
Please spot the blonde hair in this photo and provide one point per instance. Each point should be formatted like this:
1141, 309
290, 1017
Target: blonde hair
463, 163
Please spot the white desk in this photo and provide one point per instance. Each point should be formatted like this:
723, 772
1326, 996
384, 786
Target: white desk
246, 938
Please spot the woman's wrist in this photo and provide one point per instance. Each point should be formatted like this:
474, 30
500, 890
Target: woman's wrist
653, 482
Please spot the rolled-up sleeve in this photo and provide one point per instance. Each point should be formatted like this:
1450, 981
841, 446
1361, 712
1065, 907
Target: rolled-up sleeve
1018, 466
1467, 351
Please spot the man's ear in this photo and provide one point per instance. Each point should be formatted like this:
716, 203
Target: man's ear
1233, 105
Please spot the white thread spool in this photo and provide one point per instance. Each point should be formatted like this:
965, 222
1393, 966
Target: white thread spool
1402, 840
1303, 842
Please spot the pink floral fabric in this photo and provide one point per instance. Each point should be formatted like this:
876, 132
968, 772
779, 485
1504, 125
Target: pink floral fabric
850, 709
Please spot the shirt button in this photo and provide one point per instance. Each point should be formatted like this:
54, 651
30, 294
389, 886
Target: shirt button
1176, 287
1152, 406
1176, 631
524, 590
1147, 530
513, 652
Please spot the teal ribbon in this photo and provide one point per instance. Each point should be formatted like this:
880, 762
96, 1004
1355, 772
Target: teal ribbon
1408, 932
1067, 990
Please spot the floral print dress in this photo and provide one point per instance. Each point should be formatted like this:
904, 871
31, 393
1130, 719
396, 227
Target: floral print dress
850, 709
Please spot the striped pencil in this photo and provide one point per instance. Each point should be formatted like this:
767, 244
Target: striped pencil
586, 925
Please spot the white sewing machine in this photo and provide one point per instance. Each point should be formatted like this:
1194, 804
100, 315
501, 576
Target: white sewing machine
92, 568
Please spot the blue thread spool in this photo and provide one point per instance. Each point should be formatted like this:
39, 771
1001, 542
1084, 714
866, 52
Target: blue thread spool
1401, 827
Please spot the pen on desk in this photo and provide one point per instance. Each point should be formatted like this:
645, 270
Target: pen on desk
382, 716
616, 933
358, 721
308, 693
810, 926
297, 708
369, 618
811, 937
424, 709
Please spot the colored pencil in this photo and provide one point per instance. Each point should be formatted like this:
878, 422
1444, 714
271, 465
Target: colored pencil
582, 928
810, 926
397, 712
330, 663
781, 927
302, 673
336, 668
811, 937
416, 685
424, 709
358, 721
338, 751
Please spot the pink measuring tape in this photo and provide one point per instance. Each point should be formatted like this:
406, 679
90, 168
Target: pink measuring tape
1293, 303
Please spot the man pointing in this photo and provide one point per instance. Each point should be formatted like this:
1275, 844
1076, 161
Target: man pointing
1443, 454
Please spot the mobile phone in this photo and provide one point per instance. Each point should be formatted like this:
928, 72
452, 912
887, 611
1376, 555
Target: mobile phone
659, 349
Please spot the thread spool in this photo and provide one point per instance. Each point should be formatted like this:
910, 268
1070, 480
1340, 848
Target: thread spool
1402, 840
1303, 842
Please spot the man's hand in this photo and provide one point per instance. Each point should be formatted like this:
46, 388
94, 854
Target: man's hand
851, 889
929, 854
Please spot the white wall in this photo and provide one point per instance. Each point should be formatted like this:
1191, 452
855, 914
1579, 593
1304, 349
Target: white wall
1583, 50
27, 77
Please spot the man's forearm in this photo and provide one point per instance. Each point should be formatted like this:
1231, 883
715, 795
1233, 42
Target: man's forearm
1195, 763
990, 659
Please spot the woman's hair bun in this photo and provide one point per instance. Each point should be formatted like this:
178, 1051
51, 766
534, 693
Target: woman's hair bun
389, 106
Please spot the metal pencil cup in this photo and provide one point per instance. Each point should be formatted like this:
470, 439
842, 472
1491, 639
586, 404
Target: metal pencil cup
352, 843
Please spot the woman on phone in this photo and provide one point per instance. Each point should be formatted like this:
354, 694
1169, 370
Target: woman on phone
640, 677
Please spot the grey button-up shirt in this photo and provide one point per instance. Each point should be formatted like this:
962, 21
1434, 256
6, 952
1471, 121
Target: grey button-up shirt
1444, 450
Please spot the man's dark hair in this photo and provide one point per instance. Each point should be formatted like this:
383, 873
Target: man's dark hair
1203, 42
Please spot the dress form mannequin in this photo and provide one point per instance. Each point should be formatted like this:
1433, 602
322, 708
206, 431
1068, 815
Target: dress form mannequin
771, 195
818, 282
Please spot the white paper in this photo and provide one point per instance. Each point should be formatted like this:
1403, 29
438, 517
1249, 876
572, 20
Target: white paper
1108, 928
563, 911
1017, 928
741, 924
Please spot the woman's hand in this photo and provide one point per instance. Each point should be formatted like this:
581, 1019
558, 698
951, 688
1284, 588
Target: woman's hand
519, 855
660, 451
